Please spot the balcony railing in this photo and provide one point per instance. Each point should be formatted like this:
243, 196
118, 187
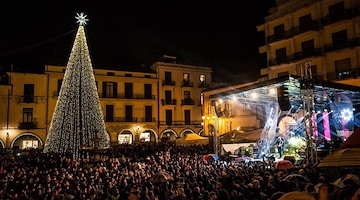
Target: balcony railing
168, 83
204, 85
347, 14
273, 38
121, 119
123, 96
148, 119
350, 43
179, 123
27, 99
295, 56
27, 125
168, 101
187, 84
349, 74
312, 26
187, 102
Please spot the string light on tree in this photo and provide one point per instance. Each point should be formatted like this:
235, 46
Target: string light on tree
77, 117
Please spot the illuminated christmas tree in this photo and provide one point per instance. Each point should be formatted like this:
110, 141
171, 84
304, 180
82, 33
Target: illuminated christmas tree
77, 117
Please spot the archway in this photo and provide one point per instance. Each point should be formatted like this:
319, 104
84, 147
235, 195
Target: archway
148, 136
26, 141
185, 132
201, 132
2, 145
168, 135
125, 137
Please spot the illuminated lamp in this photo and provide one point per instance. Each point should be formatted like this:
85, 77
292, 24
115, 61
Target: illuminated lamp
272, 90
346, 114
220, 101
254, 95
203, 117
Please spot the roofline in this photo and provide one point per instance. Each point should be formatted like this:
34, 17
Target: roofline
284, 78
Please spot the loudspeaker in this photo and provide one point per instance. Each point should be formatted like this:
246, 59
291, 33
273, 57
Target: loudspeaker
283, 98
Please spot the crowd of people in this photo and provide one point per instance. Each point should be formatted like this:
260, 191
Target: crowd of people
161, 171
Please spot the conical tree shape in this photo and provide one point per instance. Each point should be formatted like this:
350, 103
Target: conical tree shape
77, 117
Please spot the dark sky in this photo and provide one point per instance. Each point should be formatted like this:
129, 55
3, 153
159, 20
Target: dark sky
123, 34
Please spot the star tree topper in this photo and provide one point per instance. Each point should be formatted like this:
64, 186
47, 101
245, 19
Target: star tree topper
81, 19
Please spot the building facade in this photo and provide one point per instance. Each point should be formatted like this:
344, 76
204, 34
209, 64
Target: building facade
135, 105
325, 32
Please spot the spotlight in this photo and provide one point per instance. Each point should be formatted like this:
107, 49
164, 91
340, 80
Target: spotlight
234, 98
318, 112
7, 131
238, 128
346, 114
221, 101
202, 123
203, 117
254, 95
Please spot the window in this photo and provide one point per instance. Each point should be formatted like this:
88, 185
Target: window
128, 114
307, 47
279, 31
128, 75
148, 113
128, 90
147, 91
187, 117
187, 95
281, 55
202, 78
109, 113
109, 89
201, 98
111, 74
305, 22
28, 93
167, 76
186, 77
337, 11
339, 38
168, 97
27, 114
168, 114
343, 68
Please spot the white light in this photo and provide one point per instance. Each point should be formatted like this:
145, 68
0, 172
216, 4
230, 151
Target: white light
221, 101
272, 91
203, 117
254, 95
238, 128
318, 112
346, 114
81, 19
213, 116
234, 98
8, 131
202, 123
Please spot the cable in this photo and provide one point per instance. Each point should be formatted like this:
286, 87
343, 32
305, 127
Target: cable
34, 45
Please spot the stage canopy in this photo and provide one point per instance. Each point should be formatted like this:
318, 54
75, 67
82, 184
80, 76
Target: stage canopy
192, 139
335, 112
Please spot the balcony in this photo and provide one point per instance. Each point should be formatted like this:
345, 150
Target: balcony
347, 14
179, 123
204, 85
148, 119
172, 83
295, 56
350, 74
312, 26
187, 84
350, 43
168, 101
188, 101
123, 96
27, 99
27, 125
273, 38
121, 119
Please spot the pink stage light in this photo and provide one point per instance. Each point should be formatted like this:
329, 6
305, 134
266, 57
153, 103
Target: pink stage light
326, 125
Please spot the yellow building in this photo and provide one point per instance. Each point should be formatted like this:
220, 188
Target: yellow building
180, 102
134, 104
325, 32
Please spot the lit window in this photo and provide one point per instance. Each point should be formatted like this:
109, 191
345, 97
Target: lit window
186, 77
202, 78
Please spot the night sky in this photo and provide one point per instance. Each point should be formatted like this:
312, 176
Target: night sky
127, 34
